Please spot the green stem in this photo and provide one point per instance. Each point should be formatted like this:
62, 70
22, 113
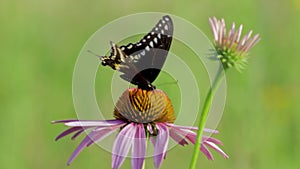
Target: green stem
203, 116
147, 140
144, 164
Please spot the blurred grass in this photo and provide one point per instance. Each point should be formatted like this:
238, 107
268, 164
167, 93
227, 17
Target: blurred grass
40, 41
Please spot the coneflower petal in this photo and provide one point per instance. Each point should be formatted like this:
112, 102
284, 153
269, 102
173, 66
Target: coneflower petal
122, 145
101, 134
190, 135
94, 123
214, 29
192, 128
138, 148
231, 47
253, 42
178, 138
206, 152
77, 134
92, 137
161, 145
243, 42
239, 33
213, 140
63, 121
67, 132
217, 148
83, 143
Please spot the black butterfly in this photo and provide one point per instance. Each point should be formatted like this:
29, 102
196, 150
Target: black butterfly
141, 62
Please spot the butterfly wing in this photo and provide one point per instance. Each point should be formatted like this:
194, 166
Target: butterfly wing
141, 62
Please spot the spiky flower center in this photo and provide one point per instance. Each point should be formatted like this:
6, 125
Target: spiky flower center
144, 106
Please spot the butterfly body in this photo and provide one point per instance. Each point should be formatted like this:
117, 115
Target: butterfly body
141, 62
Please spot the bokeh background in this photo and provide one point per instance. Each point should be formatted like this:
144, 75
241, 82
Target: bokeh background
40, 42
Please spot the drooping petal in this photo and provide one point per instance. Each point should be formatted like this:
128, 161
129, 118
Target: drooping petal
67, 132
153, 140
211, 139
101, 134
192, 128
210, 131
206, 152
178, 138
94, 123
122, 145
138, 148
181, 127
161, 145
92, 137
77, 134
80, 147
64, 121
190, 135
215, 147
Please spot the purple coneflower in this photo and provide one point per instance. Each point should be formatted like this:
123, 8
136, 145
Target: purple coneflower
231, 49
140, 115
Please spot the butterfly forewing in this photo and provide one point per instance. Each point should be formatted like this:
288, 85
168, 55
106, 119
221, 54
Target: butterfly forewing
141, 62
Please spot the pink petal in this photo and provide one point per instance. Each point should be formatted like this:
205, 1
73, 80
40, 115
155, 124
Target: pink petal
244, 41
149, 128
211, 139
101, 134
138, 148
231, 35
239, 32
223, 32
67, 132
178, 138
160, 148
218, 149
220, 33
77, 134
94, 123
231, 32
89, 139
192, 128
63, 121
252, 42
210, 131
122, 145
206, 152
153, 141
83, 143
190, 135
213, 28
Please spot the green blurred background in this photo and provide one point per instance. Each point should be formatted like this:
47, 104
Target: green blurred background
40, 41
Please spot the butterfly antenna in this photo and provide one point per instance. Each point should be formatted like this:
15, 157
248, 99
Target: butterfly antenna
168, 83
93, 53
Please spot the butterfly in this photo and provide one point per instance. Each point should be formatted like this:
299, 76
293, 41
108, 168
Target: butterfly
140, 63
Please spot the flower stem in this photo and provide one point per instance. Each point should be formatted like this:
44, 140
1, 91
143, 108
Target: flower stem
144, 164
147, 140
203, 116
